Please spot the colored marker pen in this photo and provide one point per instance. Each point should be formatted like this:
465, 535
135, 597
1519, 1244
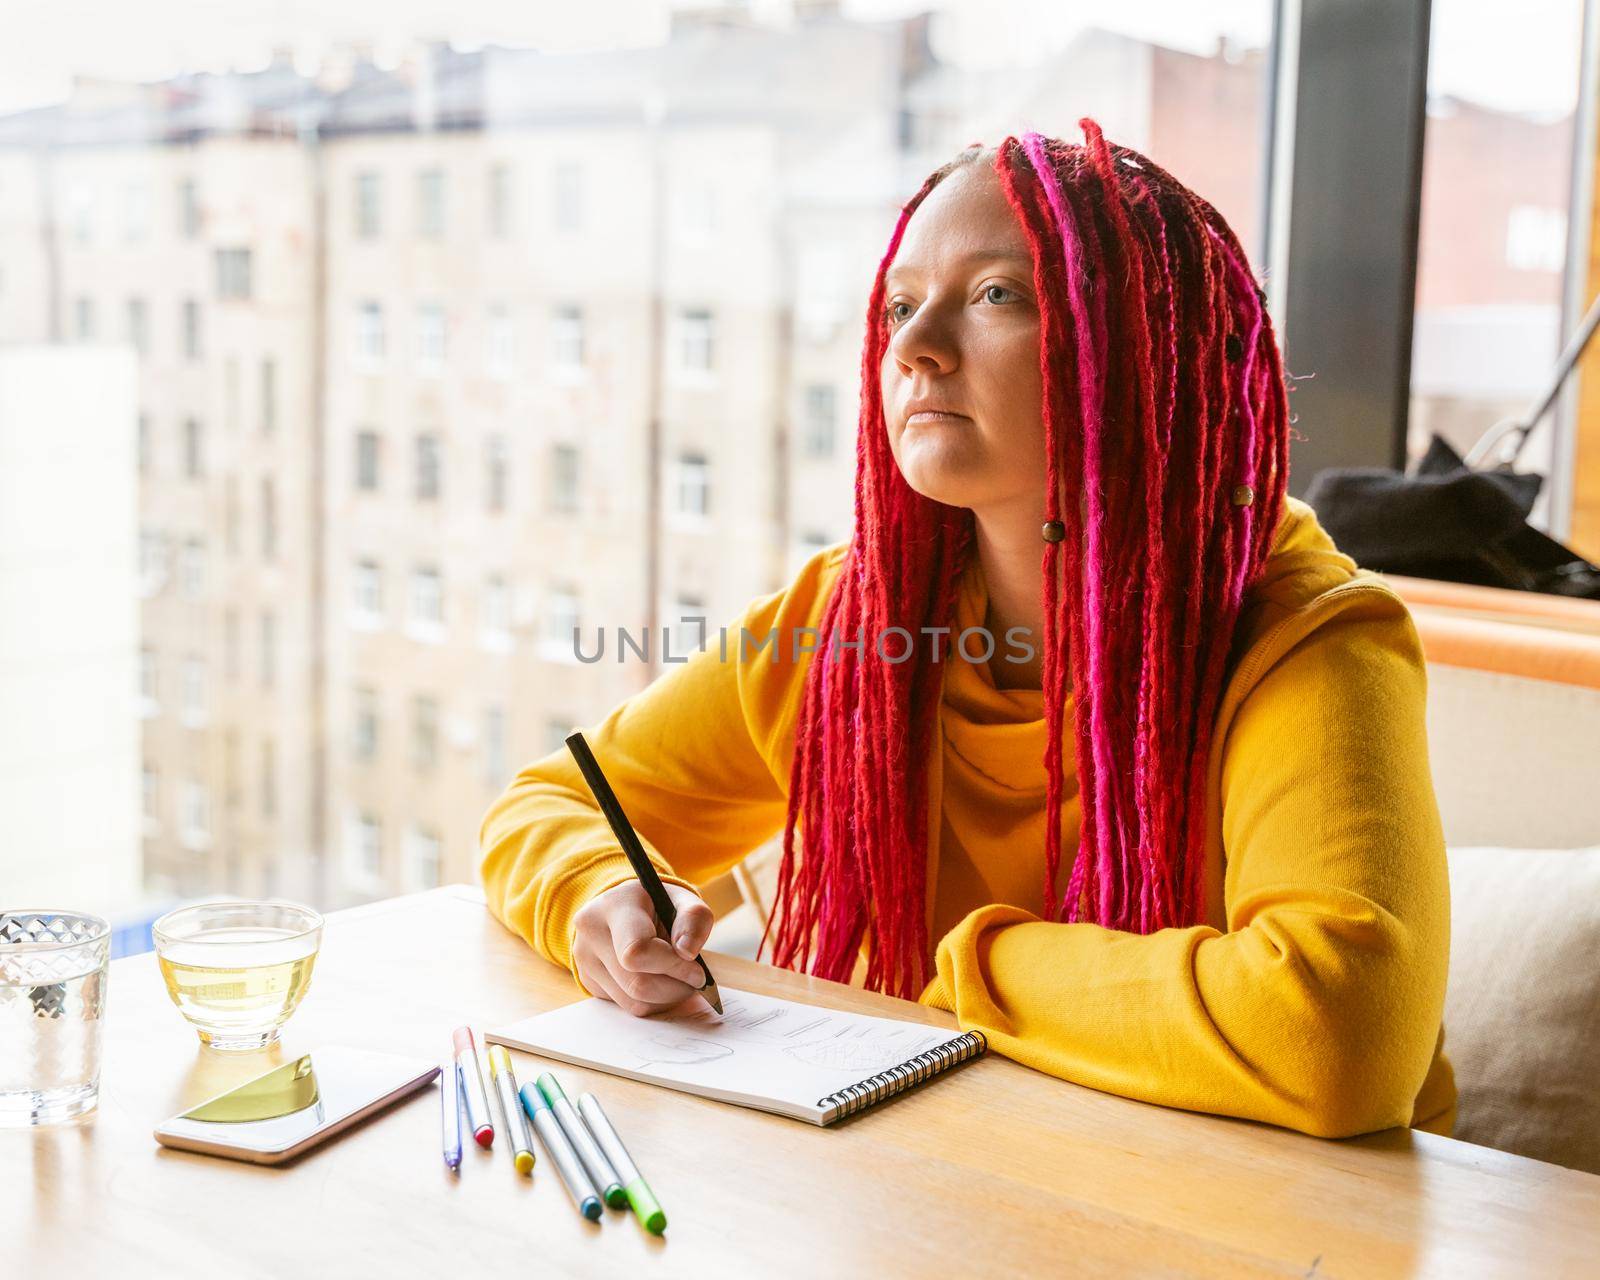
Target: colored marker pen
472, 1085
505, 1093
450, 1114
594, 1161
555, 1142
645, 1206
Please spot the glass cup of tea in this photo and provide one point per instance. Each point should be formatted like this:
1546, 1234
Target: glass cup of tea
237, 970
53, 970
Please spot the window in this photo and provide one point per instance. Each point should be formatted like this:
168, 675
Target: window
424, 732
369, 334
499, 202
149, 683
686, 626
139, 326
559, 643
152, 561
188, 210
135, 212
269, 519
494, 746
366, 595
567, 184
367, 838
230, 514
427, 604
269, 396
233, 273
368, 205
430, 338
83, 319
566, 338
494, 622
364, 725
821, 411
269, 649
500, 355
269, 779
144, 444
367, 461
191, 329
150, 800
695, 340
496, 472
192, 692
423, 853
564, 478
430, 204
230, 644
192, 568
1536, 238
194, 815
80, 212
428, 466
194, 458
692, 496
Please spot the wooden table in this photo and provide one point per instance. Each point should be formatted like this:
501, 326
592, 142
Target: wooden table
993, 1170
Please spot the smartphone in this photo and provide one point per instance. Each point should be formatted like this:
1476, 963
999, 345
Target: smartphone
284, 1113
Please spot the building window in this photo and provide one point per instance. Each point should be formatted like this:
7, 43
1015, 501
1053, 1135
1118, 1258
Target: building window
427, 604
191, 329
366, 594
145, 445
686, 625
139, 326
149, 683
692, 491
188, 210
367, 461
428, 467
194, 456
83, 319
564, 478
152, 561
695, 336
424, 732
494, 622
192, 692
566, 338
369, 334
150, 800
567, 184
269, 396
430, 204
135, 211
496, 472
494, 746
430, 338
233, 274
368, 206
369, 847
269, 779
230, 644
500, 355
561, 622
364, 725
821, 411
194, 815
269, 649
192, 568
230, 514
80, 212
424, 854
500, 210
269, 519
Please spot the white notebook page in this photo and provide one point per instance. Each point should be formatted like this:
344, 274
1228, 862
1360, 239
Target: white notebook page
762, 1051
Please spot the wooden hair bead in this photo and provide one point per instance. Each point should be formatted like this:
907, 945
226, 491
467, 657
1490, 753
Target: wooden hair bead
1054, 531
1243, 495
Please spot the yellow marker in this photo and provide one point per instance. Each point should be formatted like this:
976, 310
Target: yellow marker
505, 1093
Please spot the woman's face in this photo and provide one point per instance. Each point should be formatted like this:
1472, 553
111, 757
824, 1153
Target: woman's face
964, 337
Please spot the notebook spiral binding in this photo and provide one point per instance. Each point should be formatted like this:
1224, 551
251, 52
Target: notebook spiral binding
858, 1097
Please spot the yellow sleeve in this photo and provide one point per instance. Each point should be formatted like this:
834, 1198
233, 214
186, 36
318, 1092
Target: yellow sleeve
1320, 1007
699, 760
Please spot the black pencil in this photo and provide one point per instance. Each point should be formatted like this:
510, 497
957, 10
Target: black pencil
666, 913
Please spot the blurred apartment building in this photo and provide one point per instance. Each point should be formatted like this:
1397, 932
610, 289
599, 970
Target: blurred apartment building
439, 362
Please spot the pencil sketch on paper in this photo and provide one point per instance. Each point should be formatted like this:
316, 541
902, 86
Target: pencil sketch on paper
668, 1048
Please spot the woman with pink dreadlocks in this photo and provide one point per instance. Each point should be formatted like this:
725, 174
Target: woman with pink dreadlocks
1089, 734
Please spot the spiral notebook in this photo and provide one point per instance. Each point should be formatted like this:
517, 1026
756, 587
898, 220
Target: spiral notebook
795, 1060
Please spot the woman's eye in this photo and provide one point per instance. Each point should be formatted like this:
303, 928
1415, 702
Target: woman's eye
891, 312
993, 288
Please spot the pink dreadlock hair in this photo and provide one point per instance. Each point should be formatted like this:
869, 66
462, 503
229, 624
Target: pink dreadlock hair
1166, 456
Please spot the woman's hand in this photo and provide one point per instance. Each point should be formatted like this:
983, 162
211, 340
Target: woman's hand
619, 955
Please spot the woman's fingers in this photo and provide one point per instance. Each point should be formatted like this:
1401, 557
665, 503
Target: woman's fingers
692, 927
637, 946
654, 991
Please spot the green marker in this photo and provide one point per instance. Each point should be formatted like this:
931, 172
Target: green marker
593, 1159
638, 1190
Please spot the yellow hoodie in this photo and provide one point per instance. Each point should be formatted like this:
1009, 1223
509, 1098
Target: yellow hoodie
1310, 997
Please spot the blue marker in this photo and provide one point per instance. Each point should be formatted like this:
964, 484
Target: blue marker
450, 1115
582, 1191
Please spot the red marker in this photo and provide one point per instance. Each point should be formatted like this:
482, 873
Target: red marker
477, 1097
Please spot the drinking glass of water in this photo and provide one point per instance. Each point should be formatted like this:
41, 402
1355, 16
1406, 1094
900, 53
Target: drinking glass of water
53, 970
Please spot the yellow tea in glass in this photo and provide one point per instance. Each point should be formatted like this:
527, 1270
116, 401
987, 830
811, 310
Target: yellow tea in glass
237, 970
